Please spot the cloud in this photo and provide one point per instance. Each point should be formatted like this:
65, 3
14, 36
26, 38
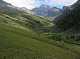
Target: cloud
64, 2
56, 3
22, 3
69, 2
35, 3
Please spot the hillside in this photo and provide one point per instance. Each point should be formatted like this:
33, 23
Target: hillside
69, 21
24, 36
20, 41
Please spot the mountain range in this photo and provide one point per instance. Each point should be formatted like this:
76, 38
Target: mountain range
46, 10
27, 36
43, 10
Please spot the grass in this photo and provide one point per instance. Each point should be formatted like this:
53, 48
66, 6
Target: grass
20, 43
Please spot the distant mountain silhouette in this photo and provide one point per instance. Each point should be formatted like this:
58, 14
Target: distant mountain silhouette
8, 8
3, 4
45, 10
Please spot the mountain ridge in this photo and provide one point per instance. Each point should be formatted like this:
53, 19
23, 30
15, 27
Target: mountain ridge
45, 10
24, 36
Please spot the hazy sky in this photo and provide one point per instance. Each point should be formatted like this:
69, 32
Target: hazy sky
32, 3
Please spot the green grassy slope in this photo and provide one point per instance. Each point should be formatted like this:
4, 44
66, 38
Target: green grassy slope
19, 41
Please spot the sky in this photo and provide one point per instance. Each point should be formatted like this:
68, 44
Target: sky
30, 4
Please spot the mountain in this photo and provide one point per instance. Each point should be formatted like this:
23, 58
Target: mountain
70, 18
19, 40
3, 4
69, 22
23, 36
8, 8
45, 10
